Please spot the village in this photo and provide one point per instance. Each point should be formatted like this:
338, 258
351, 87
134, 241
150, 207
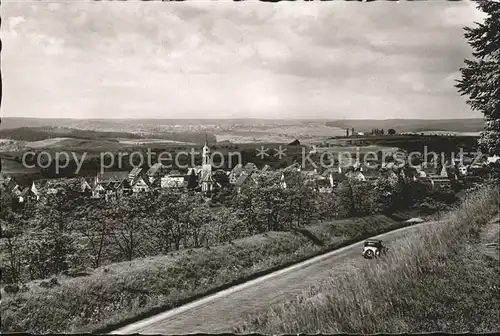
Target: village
208, 181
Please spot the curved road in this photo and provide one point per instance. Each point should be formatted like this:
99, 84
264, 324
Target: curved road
222, 311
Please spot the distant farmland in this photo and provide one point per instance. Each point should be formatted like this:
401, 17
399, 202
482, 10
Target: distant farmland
412, 125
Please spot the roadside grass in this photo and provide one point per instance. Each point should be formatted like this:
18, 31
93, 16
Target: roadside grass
126, 290
439, 279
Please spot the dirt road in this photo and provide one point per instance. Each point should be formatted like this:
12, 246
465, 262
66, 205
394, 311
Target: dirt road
223, 311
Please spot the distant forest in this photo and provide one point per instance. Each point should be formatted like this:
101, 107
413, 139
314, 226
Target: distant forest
412, 125
42, 133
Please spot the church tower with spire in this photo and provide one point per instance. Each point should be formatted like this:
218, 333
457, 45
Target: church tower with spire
206, 179
205, 155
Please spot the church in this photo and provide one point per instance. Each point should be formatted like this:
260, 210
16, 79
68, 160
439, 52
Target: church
206, 180
199, 178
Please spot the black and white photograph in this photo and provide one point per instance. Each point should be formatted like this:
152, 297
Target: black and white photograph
249, 167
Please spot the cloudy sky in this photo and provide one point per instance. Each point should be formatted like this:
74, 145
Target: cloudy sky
234, 60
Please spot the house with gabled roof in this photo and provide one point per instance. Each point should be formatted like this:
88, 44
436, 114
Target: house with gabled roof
112, 176
135, 173
463, 170
156, 172
308, 177
325, 185
440, 182
242, 180
141, 184
240, 173
87, 184
21, 189
293, 167
10, 184
111, 189
174, 180
355, 174
111, 182
250, 168
335, 178
492, 159
99, 190
333, 170
392, 165
428, 170
361, 174
266, 168
409, 174
27, 195
194, 170
221, 178
34, 193
235, 173
45, 186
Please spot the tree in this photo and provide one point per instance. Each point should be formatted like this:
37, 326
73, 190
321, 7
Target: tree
198, 220
327, 206
55, 248
384, 195
192, 182
356, 198
11, 238
226, 226
299, 199
127, 216
391, 131
160, 223
95, 228
481, 76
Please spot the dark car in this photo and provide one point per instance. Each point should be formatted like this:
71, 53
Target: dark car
373, 249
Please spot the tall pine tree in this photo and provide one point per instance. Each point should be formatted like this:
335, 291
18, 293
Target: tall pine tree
481, 76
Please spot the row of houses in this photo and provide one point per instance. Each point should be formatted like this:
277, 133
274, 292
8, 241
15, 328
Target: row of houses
203, 179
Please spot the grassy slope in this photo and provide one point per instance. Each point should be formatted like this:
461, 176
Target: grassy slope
129, 289
437, 280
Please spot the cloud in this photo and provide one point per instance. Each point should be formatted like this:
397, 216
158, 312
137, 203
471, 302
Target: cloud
115, 59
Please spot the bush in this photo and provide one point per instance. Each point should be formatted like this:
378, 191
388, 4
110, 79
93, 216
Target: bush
11, 289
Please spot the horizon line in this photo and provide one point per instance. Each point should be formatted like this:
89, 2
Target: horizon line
214, 118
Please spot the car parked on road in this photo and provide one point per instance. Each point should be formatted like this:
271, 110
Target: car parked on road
373, 249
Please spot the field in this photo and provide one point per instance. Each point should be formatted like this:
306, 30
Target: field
412, 125
473, 134
13, 167
224, 136
232, 130
409, 143
360, 149
305, 132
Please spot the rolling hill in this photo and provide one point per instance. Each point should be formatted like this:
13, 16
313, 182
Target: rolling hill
31, 134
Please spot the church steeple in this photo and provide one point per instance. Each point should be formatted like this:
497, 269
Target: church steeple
206, 153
